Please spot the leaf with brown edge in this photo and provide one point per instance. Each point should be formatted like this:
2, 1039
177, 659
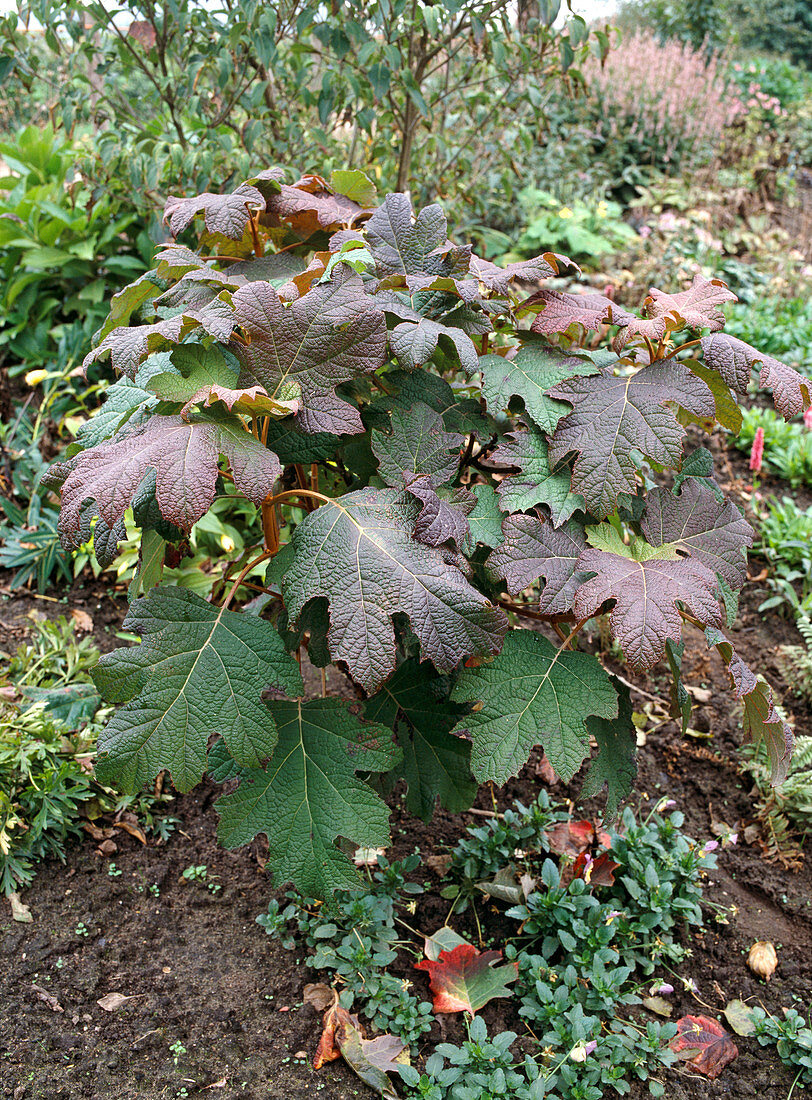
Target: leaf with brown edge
333, 334
614, 415
761, 721
694, 520
370, 1059
590, 311
465, 980
646, 590
704, 1045
499, 279
225, 214
695, 308
573, 838
735, 362
311, 205
185, 458
533, 550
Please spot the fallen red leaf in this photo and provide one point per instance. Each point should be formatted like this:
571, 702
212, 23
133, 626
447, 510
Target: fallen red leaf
464, 980
570, 838
371, 1059
327, 1050
599, 871
704, 1045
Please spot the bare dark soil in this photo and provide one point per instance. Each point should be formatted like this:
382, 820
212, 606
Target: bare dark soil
217, 1005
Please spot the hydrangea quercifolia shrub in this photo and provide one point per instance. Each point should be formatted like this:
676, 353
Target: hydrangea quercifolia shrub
425, 441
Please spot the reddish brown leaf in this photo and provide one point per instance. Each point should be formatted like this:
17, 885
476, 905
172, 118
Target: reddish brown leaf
327, 1050
704, 1045
464, 980
143, 32
571, 838
598, 871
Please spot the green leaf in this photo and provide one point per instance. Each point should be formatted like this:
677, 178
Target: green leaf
485, 521
356, 186
358, 551
435, 763
614, 765
416, 444
536, 483
308, 795
198, 671
535, 369
532, 694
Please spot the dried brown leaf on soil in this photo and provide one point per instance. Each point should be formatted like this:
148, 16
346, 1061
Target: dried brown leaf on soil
111, 1001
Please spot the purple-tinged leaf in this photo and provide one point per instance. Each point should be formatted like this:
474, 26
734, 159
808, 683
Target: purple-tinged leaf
696, 307
591, 311
225, 214
414, 343
645, 590
359, 552
734, 361
714, 532
761, 722
615, 415
185, 459
403, 244
416, 444
499, 279
533, 550
535, 483
303, 351
443, 515
311, 205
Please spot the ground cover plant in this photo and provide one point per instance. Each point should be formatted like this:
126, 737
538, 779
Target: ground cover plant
426, 443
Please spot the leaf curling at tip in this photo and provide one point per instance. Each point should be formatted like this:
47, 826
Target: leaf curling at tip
736, 361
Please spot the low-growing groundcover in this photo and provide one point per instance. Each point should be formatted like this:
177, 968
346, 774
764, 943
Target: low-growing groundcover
434, 452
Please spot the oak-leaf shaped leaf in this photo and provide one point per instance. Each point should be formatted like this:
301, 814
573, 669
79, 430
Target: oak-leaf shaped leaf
417, 443
735, 361
225, 214
590, 311
534, 550
359, 552
310, 205
536, 482
613, 415
307, 795
465, 979
533, 370
184, 456
614, 766
646, 584
405, 244
332, 334
198, 670
414, 343
704, 1045
695, 308
532, 694
499, 279
713, 532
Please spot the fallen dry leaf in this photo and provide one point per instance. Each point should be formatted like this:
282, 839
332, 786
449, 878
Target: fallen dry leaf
327, 1050
370, 1059
659, 1005
570, 838
47, 998
107, 848
439, 863
111, 1001
598, 871
762, 959
464, 980
83, 621
740, 1017
319, 995
19, 910
704, 1045
133, 830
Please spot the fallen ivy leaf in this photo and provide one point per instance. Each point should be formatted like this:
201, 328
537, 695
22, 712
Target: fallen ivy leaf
444, 939
740, 1017
704, 1045
464, 980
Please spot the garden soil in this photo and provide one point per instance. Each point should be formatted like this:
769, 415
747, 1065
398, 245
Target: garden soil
216, 1005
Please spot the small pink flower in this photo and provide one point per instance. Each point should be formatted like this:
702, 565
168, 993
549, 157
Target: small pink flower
644, 231
808, 418
664, 988
590, 1046
733, 838
712, 845
757, 452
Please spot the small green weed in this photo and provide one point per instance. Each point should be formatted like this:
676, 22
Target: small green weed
792, 1038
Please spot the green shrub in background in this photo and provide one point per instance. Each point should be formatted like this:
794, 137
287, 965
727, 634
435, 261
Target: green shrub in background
63, 250
189, 93
582, 231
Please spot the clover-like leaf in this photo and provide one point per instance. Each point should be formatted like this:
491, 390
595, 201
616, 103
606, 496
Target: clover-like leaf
358, 551
646, 585
761, 722
532, 694
436, 764
465, 980
533, 371
536, 483
331, 335
714, 532
184, 457
417, 443
614, 766
199, 670
309, 784
533, 550
735, 361
614, 415
590, 311
225, 214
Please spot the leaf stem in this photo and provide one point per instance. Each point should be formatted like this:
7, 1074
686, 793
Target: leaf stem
690, 344
244, 573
